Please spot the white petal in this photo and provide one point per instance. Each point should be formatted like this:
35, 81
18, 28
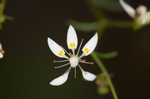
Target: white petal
56, 49
88, 76
90, 45
60, 80
146, 18
130, 10
1, 55
72, 40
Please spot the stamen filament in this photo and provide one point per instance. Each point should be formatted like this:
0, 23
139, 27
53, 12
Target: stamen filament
61, 66
68, 70
82, 55
75, 72
81, 68
80, 47
55, 61
65, 51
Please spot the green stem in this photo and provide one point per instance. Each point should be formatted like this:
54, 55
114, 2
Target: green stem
121, 24
108, 55
104, 70
3, 3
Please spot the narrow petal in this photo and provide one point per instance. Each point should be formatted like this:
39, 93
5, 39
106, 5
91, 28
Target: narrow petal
90, 45
56, 49
72, 40
1, 55
87, 75
61, 79
130, 10
1, 51
146, 19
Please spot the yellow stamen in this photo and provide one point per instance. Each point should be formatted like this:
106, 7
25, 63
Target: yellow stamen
60, 53
86, 50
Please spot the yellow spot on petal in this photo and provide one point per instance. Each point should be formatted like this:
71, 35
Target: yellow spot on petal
86, 50
72, 44
60, 53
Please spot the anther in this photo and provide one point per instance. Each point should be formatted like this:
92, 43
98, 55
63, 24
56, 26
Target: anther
92, 62
70, 54
2, 51
83, 60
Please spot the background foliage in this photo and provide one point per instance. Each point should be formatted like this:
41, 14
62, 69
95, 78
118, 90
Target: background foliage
24, 39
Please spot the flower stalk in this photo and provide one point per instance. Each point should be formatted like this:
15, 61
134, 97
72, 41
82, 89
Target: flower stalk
102, 25
105, 72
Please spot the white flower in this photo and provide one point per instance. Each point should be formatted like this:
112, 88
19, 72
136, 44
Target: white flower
2, 52
140, 14
73, 59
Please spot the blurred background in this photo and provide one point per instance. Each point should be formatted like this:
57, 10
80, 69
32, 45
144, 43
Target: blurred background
28, 65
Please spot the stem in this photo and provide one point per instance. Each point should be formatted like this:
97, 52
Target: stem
108, 55
102, 25
104, 70
121, 24
3, 3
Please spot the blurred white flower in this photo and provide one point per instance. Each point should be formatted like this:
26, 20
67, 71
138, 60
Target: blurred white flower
2, 52
72, 58
140, 14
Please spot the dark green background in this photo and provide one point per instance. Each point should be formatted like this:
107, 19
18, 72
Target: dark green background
27, 67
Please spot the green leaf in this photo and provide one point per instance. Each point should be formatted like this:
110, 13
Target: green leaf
120, 23
110, 5
109, 55
84, 26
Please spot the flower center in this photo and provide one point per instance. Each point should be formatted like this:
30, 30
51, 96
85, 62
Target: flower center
74, 61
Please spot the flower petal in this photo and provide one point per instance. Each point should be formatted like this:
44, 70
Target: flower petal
88, 76
61, 79
146, 19
1, 55
56, 49
72, 40
130, 10
90, 45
